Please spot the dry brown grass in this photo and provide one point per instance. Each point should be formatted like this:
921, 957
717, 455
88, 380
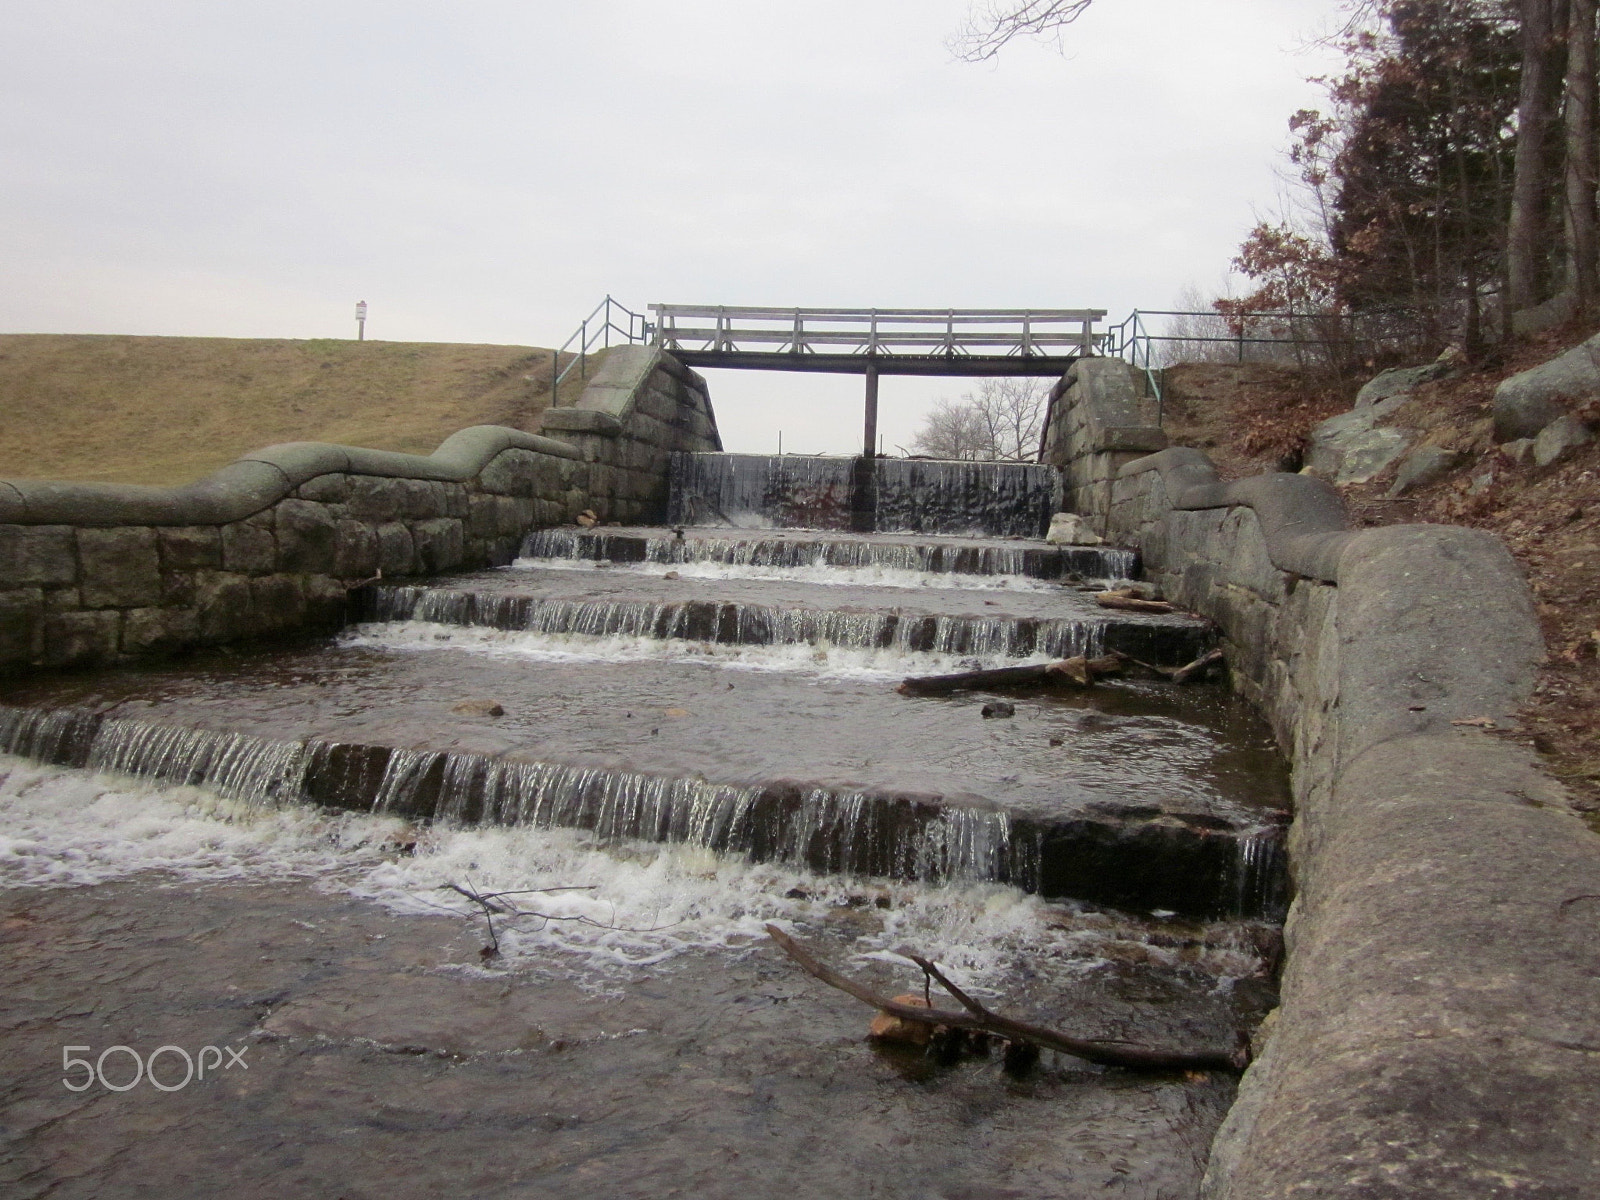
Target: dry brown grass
167, 410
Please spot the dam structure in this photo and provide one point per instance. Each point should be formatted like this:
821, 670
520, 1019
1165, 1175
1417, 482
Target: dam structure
579, 713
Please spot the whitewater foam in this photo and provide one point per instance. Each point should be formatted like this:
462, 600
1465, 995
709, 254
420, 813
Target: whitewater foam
823, 661
644, 903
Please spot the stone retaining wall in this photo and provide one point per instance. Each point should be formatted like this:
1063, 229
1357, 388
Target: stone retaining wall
1097, 421
1439, 1026
94, 573
640, 407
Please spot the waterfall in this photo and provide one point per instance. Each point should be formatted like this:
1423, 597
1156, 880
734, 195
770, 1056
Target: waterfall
754, 491
1135, 862
734, 623
794, 552
1262, 873
63, 736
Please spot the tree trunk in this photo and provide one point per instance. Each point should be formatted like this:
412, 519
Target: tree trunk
1583, 240
1530, 185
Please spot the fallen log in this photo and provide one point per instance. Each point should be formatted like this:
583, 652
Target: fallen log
1189, 670
1132, 603
1181, 674
977, 1017
1077, 671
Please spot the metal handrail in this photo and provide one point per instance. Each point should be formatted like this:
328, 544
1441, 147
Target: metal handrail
604, 320
1125, 340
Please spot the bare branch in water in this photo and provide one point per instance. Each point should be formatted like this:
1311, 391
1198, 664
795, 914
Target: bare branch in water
1107, 1053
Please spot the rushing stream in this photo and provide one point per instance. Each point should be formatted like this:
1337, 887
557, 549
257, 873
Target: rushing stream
266, 846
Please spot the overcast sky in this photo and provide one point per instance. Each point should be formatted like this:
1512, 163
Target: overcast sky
485, 171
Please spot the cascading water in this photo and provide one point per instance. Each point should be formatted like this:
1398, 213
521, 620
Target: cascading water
850, 831
797, 552
742, 624
752, 491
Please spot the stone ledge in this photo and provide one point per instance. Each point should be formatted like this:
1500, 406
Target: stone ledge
1436, 1033
1303, 518
256, 481
581, 420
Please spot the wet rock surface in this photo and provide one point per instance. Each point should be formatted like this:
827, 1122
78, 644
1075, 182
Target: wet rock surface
380, 1064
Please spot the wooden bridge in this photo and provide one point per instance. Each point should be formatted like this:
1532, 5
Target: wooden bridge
969, 342
881, 341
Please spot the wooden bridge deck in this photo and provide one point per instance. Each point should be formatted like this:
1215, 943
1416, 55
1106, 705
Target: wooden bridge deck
879, 341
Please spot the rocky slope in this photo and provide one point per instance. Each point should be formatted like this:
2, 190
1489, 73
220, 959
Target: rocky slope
1426, 448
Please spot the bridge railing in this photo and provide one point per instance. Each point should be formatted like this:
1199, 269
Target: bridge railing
878, 331
595, 332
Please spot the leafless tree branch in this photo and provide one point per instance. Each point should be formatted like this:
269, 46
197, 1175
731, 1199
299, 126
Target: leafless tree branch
989, 26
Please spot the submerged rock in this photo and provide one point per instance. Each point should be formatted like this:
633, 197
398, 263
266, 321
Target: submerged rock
479, 708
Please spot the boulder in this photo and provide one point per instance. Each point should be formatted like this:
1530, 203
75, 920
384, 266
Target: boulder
1528, 401
1353, 448
1402, 380
1423, 466
1556, 438
1069, 529
1518, 450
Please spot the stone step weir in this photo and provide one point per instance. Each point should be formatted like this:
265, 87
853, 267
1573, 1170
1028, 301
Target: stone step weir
1192, 863
796, 549
758, 612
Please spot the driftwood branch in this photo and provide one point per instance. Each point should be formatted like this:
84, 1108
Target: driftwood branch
1075, 672
1111, 1054
1189, 670
1181, 674
494, 902
1130, 601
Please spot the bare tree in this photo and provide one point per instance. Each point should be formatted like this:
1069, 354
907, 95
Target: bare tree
989, 26
1012, 414
1198, 333
1002, 420
952, 430
1582, 228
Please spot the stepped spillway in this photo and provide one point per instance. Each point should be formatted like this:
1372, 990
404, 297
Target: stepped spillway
958, 622
628, 718
640, 746
751, 716
831, 555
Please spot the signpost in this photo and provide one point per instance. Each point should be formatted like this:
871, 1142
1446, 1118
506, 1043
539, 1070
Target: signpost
361, 320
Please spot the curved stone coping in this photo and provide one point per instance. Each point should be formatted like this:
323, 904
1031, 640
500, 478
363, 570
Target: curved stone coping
1439, 618
254, 482
1302, 517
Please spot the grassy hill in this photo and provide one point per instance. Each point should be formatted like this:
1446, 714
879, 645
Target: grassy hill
168, 410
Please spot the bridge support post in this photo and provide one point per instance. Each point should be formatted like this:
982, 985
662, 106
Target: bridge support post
869, 444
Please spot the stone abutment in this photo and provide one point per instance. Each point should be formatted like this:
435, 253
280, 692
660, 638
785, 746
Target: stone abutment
1436, 1031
